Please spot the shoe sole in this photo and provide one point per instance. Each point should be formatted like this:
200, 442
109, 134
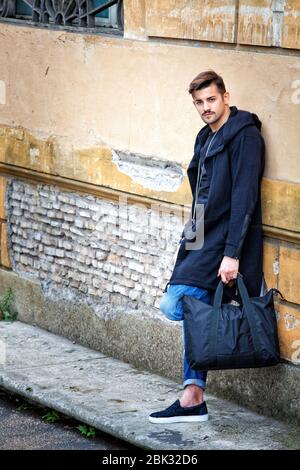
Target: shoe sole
179, 419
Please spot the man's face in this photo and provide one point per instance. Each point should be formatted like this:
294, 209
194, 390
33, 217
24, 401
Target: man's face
210, 103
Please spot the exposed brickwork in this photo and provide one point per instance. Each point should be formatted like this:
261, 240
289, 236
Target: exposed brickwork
91, 245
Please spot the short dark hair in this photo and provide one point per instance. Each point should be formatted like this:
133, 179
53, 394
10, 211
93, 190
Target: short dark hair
205, 79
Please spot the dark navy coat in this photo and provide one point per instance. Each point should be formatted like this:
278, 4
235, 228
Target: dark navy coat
232, 214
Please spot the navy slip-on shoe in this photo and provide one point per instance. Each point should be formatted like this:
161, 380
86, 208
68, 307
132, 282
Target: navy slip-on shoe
178, 414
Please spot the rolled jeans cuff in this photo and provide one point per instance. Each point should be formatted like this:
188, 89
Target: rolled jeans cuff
200, 383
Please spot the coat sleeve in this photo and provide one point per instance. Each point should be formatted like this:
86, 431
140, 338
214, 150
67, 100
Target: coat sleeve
247, 163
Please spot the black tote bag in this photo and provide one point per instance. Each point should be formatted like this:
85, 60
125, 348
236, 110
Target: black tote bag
227, 336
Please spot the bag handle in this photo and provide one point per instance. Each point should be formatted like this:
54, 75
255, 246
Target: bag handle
218, 295
241, 288
220, 288
247, 307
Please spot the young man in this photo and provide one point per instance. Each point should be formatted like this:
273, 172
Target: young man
225, 175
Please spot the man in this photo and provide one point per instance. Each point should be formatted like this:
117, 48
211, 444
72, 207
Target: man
225, 175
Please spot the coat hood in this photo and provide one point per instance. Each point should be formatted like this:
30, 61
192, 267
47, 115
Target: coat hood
237, 121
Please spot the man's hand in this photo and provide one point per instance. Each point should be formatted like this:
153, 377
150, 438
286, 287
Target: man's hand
228, 269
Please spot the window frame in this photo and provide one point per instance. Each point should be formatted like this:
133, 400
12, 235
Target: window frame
113, 22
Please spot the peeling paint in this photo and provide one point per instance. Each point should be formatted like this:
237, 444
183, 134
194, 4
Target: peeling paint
90, 161
296, 354
220, 10
16, 133
33, 154
276, 267
291, 322
255, 24
149, 172
187, 13
264, 13
139, 37
192, 20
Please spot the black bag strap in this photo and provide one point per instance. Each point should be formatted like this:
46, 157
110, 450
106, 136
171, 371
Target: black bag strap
218, 295
249, 312
214, 325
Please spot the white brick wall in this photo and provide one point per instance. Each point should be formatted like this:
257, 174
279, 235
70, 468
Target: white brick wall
89, 244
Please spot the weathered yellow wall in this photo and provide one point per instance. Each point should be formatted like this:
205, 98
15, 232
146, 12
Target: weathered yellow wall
89, 91
281, 204
255, 22
289, 332
267, 23
291, 25
251, 22
134, 19
281, 269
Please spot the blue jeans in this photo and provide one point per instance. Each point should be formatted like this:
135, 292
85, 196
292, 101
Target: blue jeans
171, 306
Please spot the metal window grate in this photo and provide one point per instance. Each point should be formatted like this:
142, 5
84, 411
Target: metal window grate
75, 13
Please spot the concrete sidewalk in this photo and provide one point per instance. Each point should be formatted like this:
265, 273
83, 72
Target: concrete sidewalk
117, 398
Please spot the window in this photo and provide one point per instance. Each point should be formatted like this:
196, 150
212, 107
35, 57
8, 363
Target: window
23, 9
75, 13
107, 17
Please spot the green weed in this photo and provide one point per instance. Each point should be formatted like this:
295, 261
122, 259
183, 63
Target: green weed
6, 312
51, 416
87, 431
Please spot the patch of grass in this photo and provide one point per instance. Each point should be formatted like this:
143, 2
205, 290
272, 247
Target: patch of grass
6, 312
51, 416
87, 431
